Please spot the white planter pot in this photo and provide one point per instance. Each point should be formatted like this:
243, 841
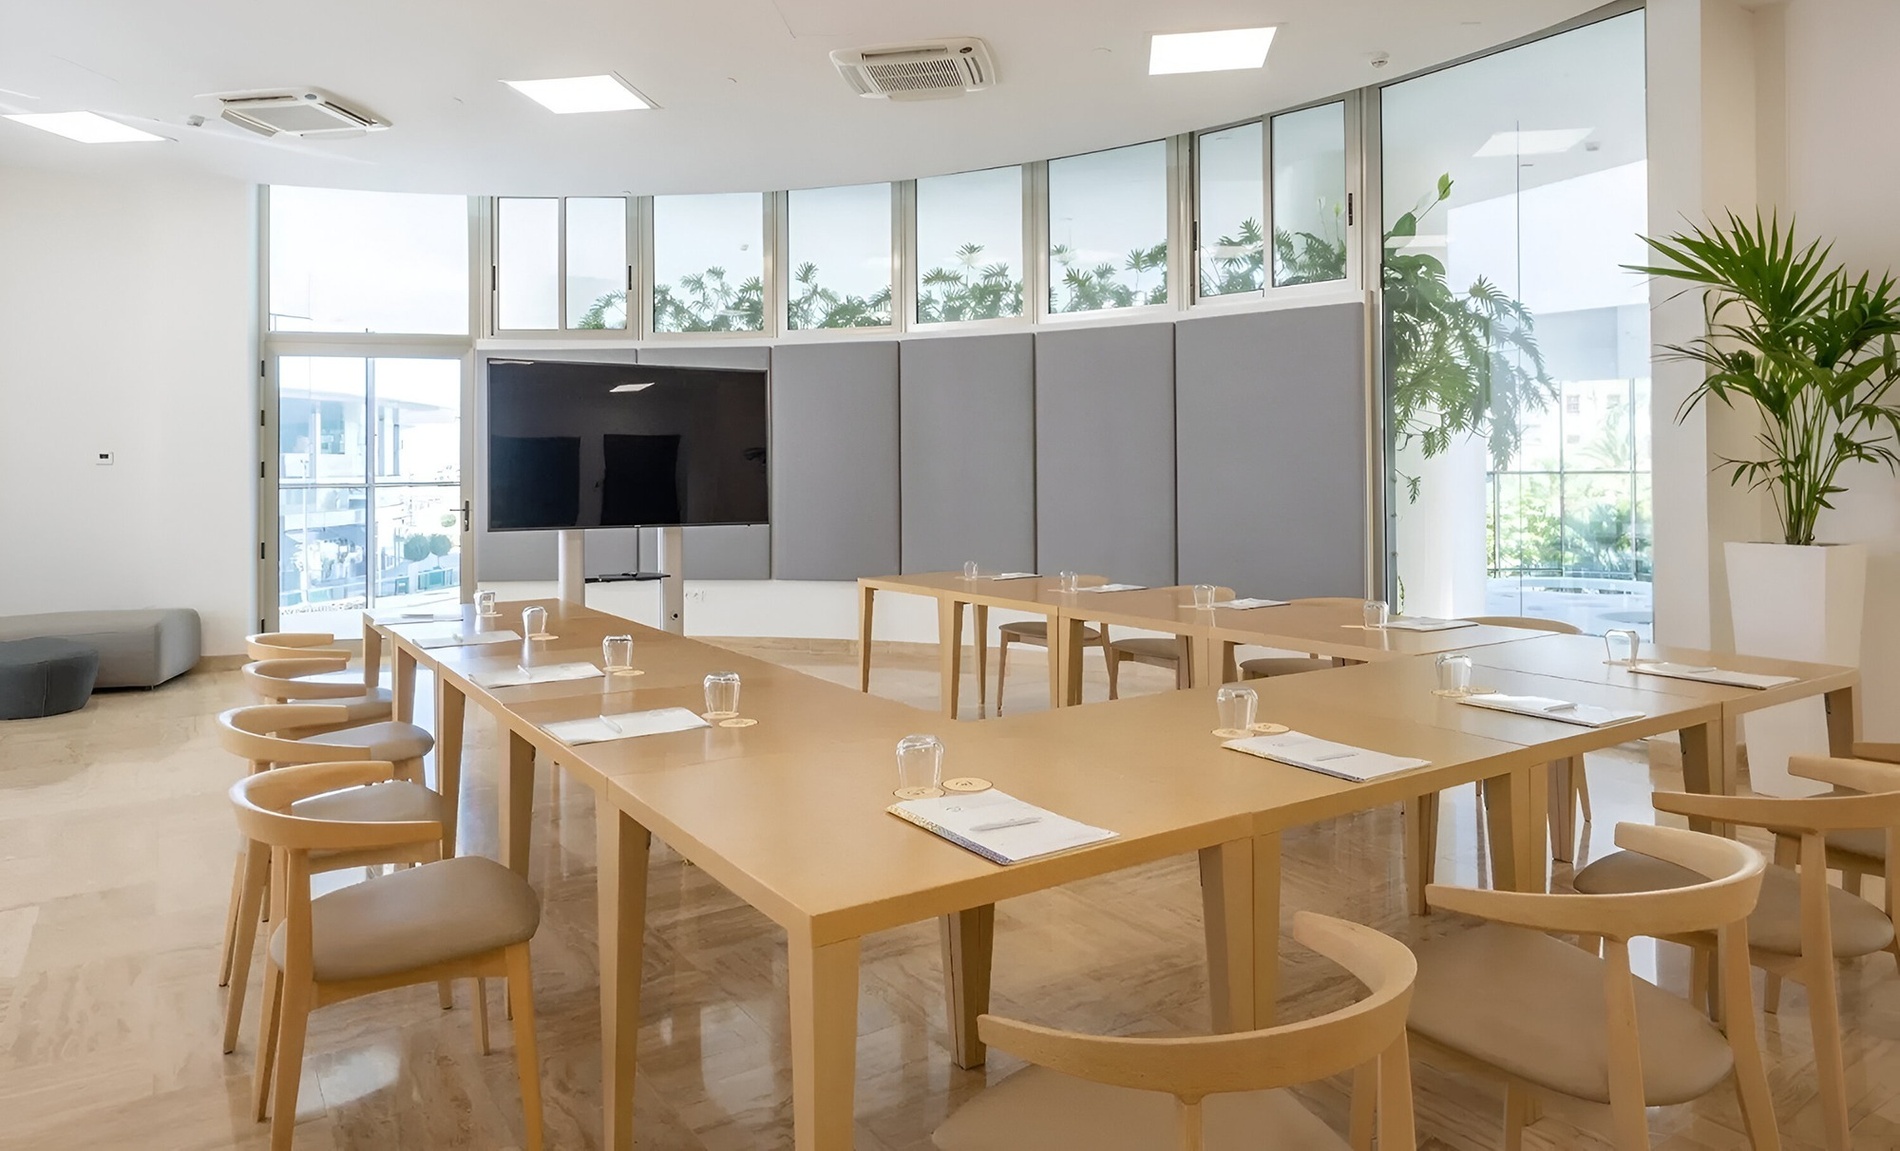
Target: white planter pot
1794, 602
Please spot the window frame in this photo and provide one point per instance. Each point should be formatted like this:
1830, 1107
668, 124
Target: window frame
1173, 185
491, 258
779, 250
913, 264
771, 233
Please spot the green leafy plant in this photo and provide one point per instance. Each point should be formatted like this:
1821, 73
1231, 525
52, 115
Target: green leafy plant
1811, 349
1084, 288
972, 290
814, 306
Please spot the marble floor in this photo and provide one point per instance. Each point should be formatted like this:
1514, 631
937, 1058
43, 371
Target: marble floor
115, 853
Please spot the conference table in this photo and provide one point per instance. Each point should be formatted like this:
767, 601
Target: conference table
789, 813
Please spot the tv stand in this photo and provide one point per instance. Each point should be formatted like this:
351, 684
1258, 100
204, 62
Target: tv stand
570, 564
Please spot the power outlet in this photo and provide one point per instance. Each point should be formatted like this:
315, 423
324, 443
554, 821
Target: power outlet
102, 459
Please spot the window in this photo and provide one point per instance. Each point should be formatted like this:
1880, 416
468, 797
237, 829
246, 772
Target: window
709, 263
560, 263
345, 261
1309, 195
1108, 229
840, 249
1517, 347
970, 246
1230, 203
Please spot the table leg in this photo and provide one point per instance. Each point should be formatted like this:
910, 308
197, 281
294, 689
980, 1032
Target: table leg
372, 657
1563, 808
968, 942
949, 653
1063, 635
451, 706
865, 597
1514, 807
981, 623
1843, 721
1706, 766
1266, 928
622, 847
1207, 661
404, 686
824, 995
1227, 910
517, 803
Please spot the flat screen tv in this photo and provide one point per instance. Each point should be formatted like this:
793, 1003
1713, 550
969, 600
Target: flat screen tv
622, 445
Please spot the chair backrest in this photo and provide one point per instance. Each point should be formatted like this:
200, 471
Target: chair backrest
1194, 1067
1528, 622
254, 733
275, 680
1873, 802
294, 645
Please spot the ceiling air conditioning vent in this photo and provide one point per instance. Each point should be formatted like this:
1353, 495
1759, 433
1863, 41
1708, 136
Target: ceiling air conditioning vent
929, 71
308, 112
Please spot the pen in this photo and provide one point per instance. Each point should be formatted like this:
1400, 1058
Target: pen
610, 723
1561, 707
1024, 822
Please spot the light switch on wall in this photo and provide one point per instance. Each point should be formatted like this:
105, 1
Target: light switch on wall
103, 459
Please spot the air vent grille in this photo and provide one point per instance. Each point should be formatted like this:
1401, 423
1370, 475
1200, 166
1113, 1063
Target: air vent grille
918, 71
915, 74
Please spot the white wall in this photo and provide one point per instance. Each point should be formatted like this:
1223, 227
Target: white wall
127, 311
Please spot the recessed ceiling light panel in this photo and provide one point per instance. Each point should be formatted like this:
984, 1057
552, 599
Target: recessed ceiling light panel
85, 127
1235, 48
1539, 142
568, 94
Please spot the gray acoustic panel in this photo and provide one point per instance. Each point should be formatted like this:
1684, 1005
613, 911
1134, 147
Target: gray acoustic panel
715, 551
1105, 452
834, 460
968, 452
511, 555
1271, 434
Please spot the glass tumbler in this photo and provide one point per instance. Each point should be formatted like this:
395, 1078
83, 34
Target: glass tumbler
1622, 644
722, 695
970, 569
1068, 581
1236, 708
1377, 612
485, 603
1454, 674
534, 622
616, 654
919, 766
1204, 595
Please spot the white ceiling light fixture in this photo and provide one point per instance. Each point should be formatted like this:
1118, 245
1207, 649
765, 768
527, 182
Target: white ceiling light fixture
570, 94
85, 127
1538, 142
1171, 53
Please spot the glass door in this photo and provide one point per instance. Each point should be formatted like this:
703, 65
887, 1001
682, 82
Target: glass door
371, 509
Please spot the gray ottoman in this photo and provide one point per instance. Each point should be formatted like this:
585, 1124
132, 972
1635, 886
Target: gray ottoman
45, 677
142, 648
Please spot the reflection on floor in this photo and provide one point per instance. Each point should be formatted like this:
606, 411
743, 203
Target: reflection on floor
115, 856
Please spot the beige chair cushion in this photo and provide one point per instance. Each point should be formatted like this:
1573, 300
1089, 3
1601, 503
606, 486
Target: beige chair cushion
424, 915
1150, 647
1533, 1007
1859, 927
394, 802
1868, 841
390, 740
377, 705
1041, 1110
1268, 667
1036, 631
346, 675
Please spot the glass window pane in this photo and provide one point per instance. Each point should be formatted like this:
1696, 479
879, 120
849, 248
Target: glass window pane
527, 263
320, 432
970, 246
597, 262
709, 263
1309, 195
418, 545
1231, 201
418, 419
323, 571
840, 249
344, 261
1108, 229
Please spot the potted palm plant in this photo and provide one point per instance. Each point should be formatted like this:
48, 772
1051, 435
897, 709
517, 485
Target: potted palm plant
1810, 349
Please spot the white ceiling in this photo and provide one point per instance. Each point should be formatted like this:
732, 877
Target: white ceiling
748, 97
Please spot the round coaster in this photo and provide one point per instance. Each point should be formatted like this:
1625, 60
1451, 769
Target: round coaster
918, 792
1269, 728
542, 636
1470, 691
1230, 733
737, 722
625, 671
967, 783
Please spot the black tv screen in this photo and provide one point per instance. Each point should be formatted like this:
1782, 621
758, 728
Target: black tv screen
622, 445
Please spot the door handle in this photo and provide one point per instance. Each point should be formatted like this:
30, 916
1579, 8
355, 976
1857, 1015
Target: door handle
465, 515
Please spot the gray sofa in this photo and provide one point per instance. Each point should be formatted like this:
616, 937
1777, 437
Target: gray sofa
141, 648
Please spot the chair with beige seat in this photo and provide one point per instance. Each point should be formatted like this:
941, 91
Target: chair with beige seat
321, 645
466, 917
1858, 853
1550, 1019
307, 681
1104, 1093
1803, 926
1034, 633
255, 734
1267, 667
1163, 651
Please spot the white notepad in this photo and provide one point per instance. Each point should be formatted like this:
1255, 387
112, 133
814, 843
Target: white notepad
1712, 675
1244, 604
1113, 587
1545, 707
1010, 575
624, 725
997, 826
549, 673
464, 639
1425, 623
1339, 760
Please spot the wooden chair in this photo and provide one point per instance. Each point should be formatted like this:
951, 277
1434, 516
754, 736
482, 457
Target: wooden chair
311, 645
1802, 926
466, 917
286, 681
1035, 633
1551, 1019
1108, 1093
252, 734
1267, 667
1164, 651
1858, 853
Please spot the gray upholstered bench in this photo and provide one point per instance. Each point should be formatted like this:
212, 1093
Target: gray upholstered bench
136, 648
45, 677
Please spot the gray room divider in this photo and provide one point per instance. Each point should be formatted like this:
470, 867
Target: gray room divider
1270, 431
1105, 452
834, 460
968, 452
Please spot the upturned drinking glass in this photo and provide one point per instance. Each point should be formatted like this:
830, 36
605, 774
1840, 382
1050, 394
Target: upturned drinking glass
1377, 613
534, 622
722, 695
616, 653
1235, 706
919, 766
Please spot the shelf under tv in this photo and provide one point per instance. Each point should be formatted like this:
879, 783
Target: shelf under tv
626, 577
